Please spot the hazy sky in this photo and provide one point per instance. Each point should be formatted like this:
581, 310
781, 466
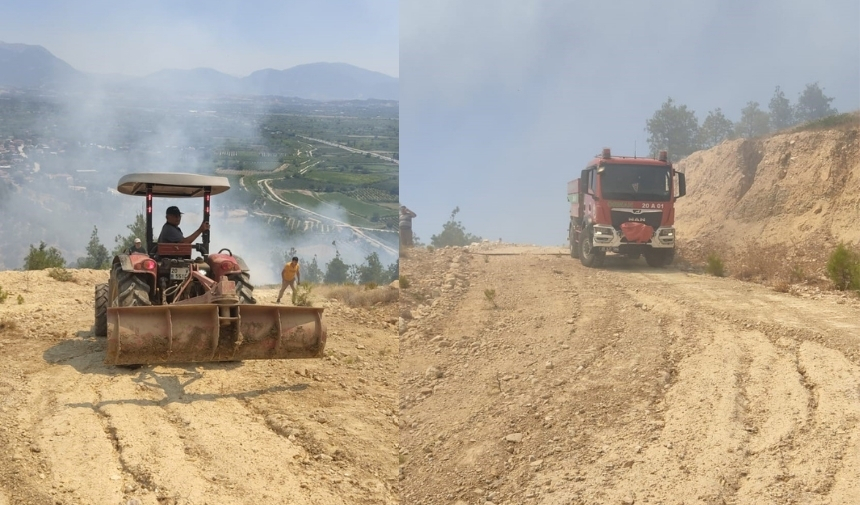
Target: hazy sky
233, 36
504, 101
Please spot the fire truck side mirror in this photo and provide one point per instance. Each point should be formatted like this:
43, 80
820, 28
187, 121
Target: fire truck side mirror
682, 185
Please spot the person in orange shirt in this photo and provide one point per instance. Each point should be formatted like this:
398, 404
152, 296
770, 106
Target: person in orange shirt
290, 276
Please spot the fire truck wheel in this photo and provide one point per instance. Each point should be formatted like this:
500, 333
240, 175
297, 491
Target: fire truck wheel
589, 255
659, 257
574, 247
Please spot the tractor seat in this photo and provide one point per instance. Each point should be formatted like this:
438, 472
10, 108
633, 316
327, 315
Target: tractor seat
168, 250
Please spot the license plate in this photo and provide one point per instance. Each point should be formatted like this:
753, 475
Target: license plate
178, 274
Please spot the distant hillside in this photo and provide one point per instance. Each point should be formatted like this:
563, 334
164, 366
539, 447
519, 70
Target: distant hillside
798, 189
28, 66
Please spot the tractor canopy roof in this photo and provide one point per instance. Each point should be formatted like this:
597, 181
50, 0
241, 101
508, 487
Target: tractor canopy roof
172, 185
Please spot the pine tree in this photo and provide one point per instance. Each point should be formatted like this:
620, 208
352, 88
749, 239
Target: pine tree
97, 255
371, 270
673, 128
781, 113
138, 230
336, 271
813, 104
715, 129
754, 122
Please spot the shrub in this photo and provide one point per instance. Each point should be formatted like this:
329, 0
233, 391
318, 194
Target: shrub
782, 286
453, 233
61, 274
370, 285
3, 295
20, 300
490, 295
797, 274
303, 294
404, 282
715, 266
843, 268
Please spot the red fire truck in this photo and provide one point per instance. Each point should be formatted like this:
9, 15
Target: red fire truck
624, 205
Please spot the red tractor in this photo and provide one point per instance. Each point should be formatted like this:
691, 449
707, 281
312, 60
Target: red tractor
165, 307
624, 205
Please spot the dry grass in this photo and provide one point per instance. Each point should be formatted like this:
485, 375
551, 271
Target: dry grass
777, 265
758, 263
360, 296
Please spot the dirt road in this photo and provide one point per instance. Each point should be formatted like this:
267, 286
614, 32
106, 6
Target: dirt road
622, 385
74, 431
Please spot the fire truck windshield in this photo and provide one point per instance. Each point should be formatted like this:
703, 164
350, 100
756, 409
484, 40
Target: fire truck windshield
635, 182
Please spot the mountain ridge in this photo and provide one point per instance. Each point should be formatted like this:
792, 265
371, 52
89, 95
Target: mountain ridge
33, 66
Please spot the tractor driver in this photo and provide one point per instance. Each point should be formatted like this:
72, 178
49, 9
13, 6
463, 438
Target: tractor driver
170, 232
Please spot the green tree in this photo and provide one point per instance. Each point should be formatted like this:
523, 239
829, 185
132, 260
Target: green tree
813, 104
371, 270
336, 271
138, 230
453, 233
781, 112
97, 255
43, 257
754, 122
393, 271
313, 273
353, 274
715, 129
673, 128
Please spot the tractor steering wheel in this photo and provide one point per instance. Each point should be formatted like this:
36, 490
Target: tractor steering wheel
225, 249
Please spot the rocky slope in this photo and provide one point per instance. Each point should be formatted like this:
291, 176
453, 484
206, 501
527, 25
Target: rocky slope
795, 190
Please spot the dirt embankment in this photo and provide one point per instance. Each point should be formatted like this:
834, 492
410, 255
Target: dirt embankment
799, 191
74, 431
529, 379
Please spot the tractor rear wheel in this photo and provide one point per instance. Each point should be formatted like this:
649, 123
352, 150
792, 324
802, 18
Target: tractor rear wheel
244, 288
589, 255
132, 291
100, 328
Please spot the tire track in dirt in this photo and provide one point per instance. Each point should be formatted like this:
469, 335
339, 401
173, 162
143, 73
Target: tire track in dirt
626, 385
777, 402
73, 430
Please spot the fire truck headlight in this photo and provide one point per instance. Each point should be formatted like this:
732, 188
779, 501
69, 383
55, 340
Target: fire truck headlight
666, 236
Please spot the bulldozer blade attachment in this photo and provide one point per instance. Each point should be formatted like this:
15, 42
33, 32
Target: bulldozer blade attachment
211, 332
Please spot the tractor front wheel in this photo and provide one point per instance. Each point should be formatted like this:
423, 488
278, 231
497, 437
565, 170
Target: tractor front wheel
100, 328
132, 291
